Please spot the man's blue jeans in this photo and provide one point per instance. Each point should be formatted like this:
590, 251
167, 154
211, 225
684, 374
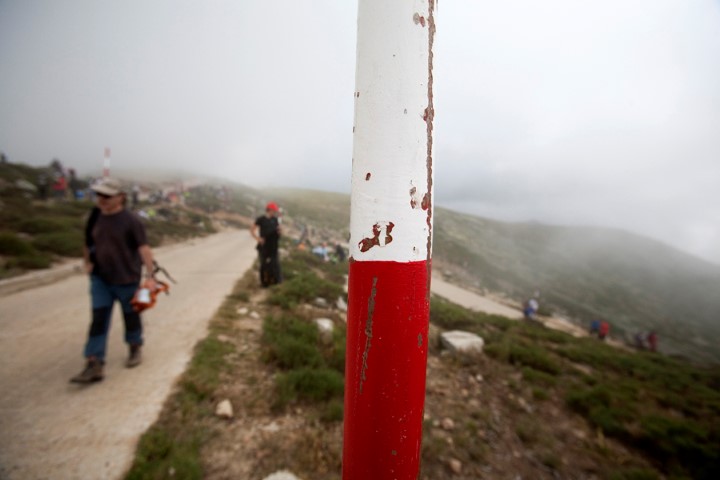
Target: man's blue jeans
103, 296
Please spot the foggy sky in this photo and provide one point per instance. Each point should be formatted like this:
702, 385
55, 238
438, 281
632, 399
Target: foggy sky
562, 111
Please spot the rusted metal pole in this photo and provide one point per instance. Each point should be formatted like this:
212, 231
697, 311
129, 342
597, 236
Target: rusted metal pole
391, 240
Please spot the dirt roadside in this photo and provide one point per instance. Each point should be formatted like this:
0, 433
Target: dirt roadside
51, 429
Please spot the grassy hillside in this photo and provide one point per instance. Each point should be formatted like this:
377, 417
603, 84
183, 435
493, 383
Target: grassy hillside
34, 233
635, 283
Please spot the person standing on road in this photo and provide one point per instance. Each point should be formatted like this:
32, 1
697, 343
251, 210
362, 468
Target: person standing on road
266, 232
115, 251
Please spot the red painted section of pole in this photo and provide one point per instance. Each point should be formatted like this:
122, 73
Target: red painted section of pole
385, 374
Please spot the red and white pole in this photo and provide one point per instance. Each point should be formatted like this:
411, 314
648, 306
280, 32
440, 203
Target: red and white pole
106, 163
391, 240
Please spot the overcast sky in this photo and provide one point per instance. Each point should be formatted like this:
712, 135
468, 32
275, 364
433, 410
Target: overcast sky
559, 111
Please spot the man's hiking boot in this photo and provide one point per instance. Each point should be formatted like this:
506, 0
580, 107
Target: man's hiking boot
135, 357
93, 372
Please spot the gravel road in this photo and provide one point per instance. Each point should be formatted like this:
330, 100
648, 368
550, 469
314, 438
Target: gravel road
51, 429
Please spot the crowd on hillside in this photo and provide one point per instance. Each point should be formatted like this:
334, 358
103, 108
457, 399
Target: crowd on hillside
599, 328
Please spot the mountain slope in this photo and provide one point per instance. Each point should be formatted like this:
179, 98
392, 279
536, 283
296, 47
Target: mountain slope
635, 283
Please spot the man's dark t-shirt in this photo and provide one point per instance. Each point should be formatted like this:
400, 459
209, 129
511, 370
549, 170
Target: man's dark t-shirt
115, 242
269, 231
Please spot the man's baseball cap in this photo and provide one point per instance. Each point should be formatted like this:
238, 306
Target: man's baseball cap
107, 186
272, 206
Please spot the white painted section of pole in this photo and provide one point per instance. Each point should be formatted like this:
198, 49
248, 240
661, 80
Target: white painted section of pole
392, 148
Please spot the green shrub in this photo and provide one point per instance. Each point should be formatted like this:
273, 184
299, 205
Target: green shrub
35, 261
42, 225
538, 377
303, 288
11, 244
332, 411
66, 243
450, 316
310, 384
288, 353
291, 343
158, 454
533, 357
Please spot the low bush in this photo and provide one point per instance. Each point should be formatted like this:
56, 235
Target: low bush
310, 384
11, 244
46, 225
304, 288
66, 243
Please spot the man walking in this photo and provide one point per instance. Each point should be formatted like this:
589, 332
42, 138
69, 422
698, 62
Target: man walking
116, 249
266, 232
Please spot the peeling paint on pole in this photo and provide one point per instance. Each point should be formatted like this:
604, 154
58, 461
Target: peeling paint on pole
391, 240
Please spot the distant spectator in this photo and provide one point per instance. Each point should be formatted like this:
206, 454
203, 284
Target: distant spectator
340, 252
604, 330
531, 308
640, 340
321, 251
135, 194
266, 232
60, 188
42, 185
74, 184
652, 341
594, 327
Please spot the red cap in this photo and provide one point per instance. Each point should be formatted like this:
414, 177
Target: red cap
272, 206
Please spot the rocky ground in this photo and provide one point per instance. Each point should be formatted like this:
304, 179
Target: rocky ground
481, 421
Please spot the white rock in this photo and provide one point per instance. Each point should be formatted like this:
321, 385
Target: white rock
447, 423
281, 475
224, 338
243, 311
456, 466
254, 315
341, 304
271, 427
320, 302
224, 409
458, 341
326, 327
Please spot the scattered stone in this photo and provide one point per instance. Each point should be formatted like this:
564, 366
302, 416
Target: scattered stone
272, 427
326, 328
224, 338
341, 304
320, 302
524, 405
243, 311
224, 409
456, 466
254, 315
459, 341
479, 378
447, 423
282, 475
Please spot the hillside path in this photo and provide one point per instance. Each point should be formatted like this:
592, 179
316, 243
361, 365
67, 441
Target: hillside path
51, 429
474, 301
